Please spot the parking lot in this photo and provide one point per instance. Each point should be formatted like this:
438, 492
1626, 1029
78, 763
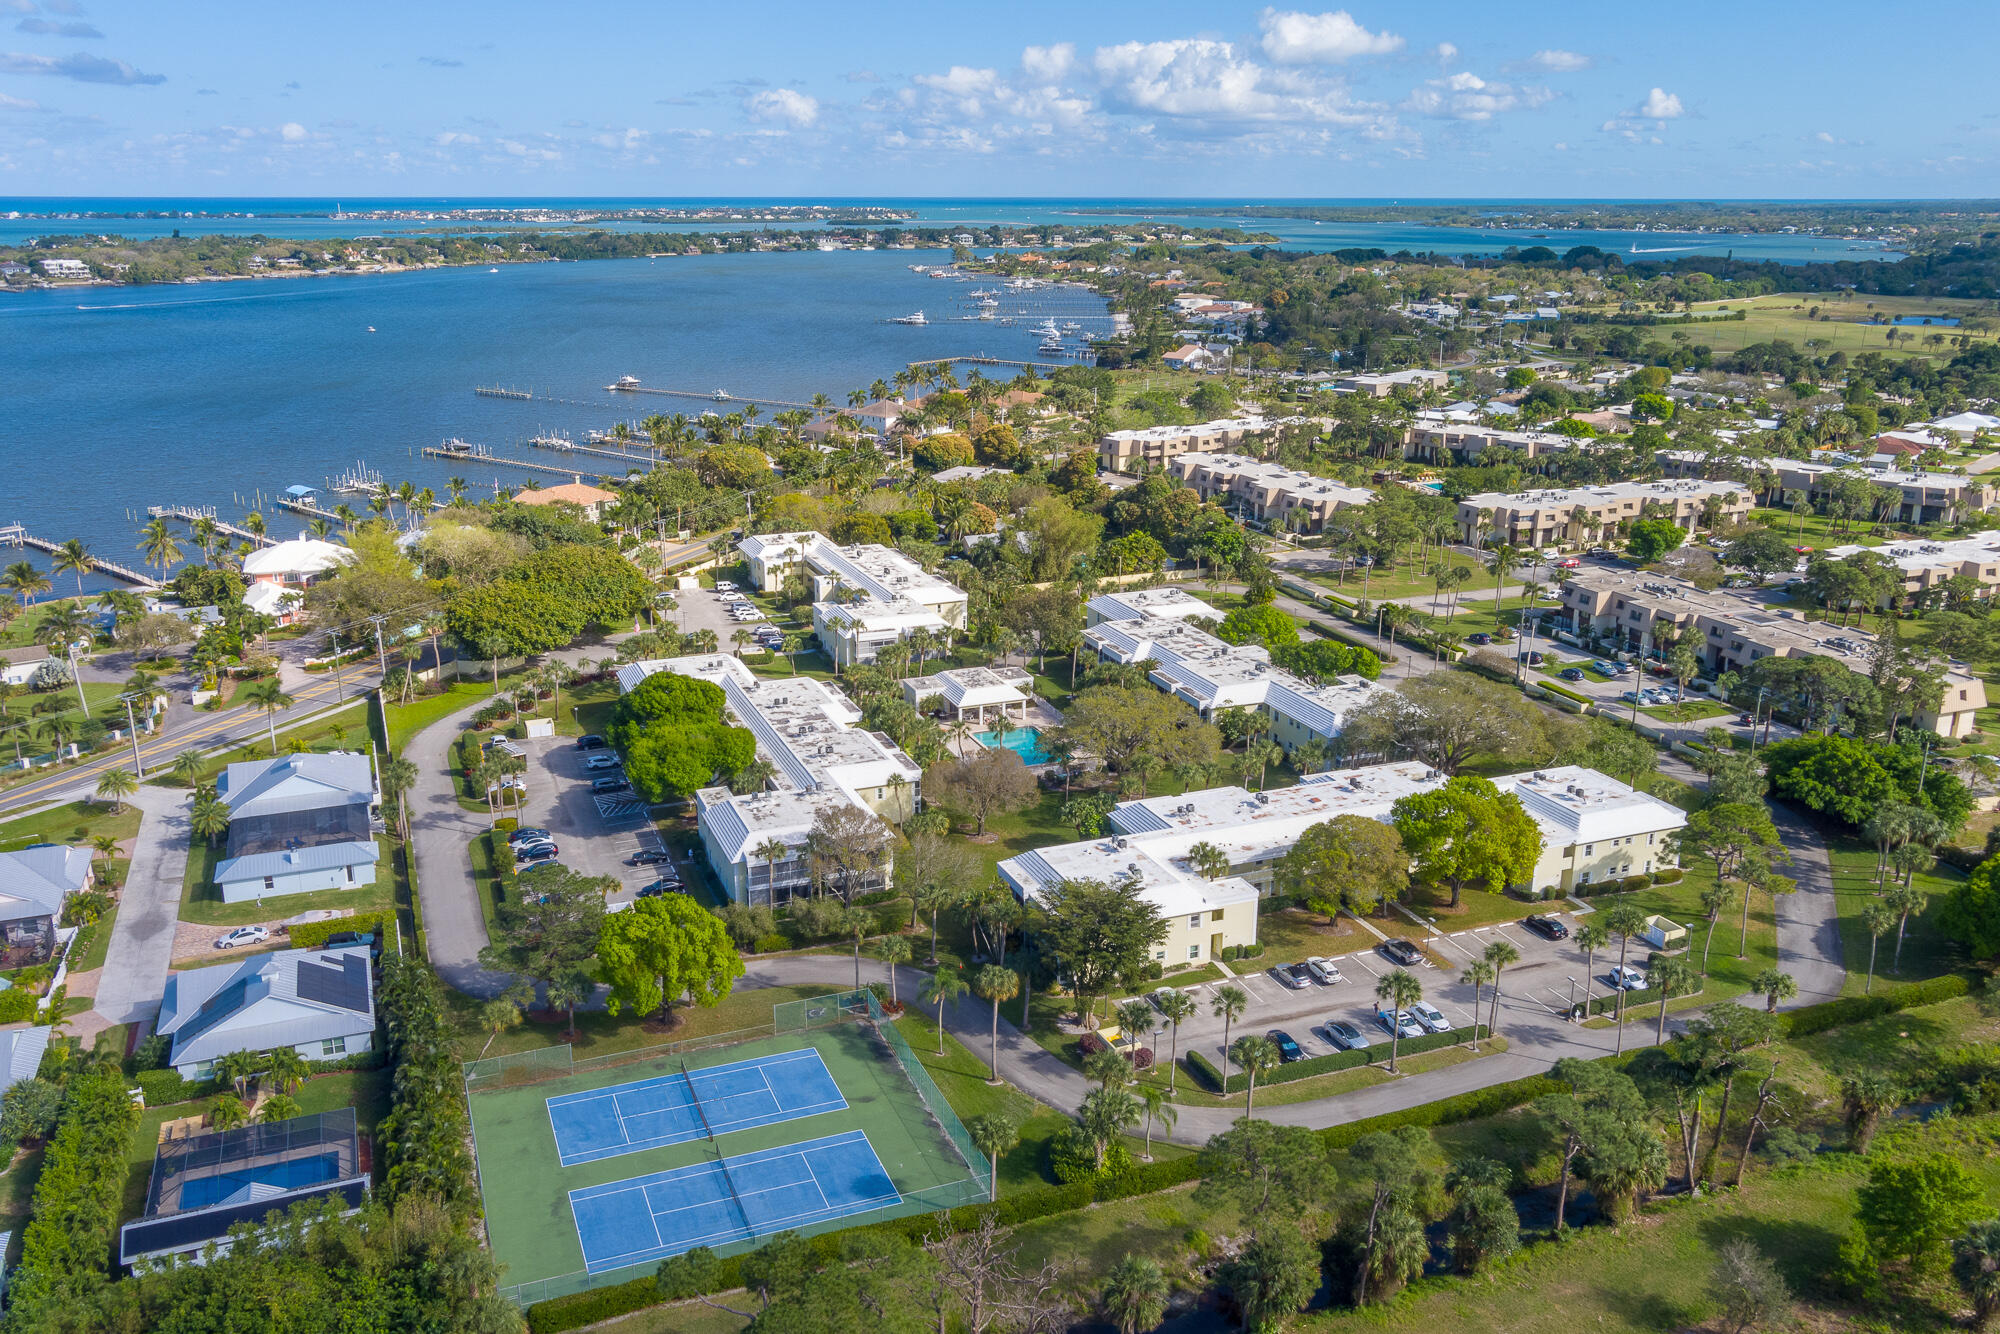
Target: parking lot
709, 609
593, 838
1542, 986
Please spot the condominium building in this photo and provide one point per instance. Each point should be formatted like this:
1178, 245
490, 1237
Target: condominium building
1214, 677
1926, 565
1381, 384
1154, 446
1594, 513
1132, 604
1281, 498
1924, 497
1439, 441
1001, 695
1593, 829
864, 597
810, 733
1639, 611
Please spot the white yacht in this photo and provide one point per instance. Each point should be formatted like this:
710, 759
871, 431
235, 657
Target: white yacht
624, 382
915, 317
720, 395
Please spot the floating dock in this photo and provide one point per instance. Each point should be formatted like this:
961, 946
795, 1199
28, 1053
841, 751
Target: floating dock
495, 391
562, 445
997, 361
14, 535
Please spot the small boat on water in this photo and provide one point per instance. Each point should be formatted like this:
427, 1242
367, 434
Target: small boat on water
624, 382
720, 395
493, 270
915, 317
371, 328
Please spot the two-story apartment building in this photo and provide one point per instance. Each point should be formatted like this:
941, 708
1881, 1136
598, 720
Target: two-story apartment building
1282, 498
864, 597
1924, 497
1154, 447
1594, 513
1925, 565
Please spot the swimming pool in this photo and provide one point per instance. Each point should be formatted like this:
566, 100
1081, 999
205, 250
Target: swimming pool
1023, 741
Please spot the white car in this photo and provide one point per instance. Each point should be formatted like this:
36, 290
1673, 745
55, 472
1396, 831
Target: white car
1323, 970
1401, 1023
752, 615
1627, 978
242, 935
732, 596
724, 586
1431, 1017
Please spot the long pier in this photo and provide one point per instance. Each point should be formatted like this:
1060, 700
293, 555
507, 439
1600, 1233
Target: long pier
709, 394
562, 446
188, 514
993, 361
489, 458
14, 535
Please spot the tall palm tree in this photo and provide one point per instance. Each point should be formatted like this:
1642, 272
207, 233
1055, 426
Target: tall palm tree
1591, 937
269, 696
1477, 975
286, 1070
1230, 1002
1623, 920
1255, 1054
117, 784
73, 557
992, 1134
1501, 562
25, 581
943, 986
996, 984
1499, 954
239, 1068
1975, 1263
1400, 989
159, 544
1176, 1007
253, 524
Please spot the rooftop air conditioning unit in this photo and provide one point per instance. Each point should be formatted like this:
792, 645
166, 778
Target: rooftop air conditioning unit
1263, 799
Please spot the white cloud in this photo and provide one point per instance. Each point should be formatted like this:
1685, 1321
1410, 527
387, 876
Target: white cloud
1659, 105
292, 131
1556, 61
1292, 38
1466, 96
783, 106
1194, 79
1046, 64
1444, 53
970, 89
18, 104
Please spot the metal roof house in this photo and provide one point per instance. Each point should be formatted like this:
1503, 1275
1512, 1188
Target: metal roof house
21, 1051
298, 823
33, 884
320, 1003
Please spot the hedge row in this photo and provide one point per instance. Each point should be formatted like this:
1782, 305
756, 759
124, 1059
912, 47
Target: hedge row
311, 935
1810, 1019
66, 1249
1211, 1079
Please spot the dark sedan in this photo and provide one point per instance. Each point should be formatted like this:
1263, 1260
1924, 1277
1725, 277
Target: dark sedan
591, 741
649, 857
1548, 928
1400, 951
1288, 1049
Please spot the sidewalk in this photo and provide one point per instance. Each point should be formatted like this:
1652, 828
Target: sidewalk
134, 977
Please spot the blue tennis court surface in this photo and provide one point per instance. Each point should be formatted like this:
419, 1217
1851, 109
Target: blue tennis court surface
649, 1113
235, 1187
652, 1217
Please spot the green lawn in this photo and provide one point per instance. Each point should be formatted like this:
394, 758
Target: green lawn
74, 822
1841, 326
1926, 952
346, 729
202, 902
406, 720
20, 631
100, 942
1690, 710
1818, 531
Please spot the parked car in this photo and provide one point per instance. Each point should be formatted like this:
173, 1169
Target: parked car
604, 761
1630, 696
1569, 563
1288, 1048
1571, 673
1294, 975
242, 935
1600, 551
659, 887
649, 857
1622, 669
1346, 1036
605, 785
1402, 1023
724, 586
1481, 638
591, 741
1603, 668
1535, 659
541, 852
1431, 1017
1548, 928
1626, 978
528, 835
1159, 997
1323, 971
1400, 951
343, 939
729, 595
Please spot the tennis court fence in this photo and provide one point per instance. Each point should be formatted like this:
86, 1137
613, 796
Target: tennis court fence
540, 1064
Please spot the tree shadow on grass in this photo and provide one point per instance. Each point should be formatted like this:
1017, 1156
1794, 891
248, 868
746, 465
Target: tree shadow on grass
1805, 1253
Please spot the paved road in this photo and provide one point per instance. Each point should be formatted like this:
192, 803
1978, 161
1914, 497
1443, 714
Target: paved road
440, 831
142, 939
1809, 945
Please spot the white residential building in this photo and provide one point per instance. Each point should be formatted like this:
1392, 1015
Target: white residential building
864, 597
1593, 829
1133, 604
65, 268
811, 734
1537, 518
1215, 677
1283, 499
978, 694
1142, 446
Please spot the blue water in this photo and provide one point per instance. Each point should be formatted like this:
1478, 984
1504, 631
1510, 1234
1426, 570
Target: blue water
1948, 321
292, 1174
1023, 741
278, 218
226, 393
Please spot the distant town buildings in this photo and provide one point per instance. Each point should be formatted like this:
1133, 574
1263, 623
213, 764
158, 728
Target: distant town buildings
1927, 565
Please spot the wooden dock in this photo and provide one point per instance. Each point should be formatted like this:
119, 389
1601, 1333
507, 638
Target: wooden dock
14, 535
737, 400
483, 455
495, 391
562, 446
188, 514
996, 361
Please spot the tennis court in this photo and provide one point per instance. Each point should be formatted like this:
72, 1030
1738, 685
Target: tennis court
691, 1105
736, 1199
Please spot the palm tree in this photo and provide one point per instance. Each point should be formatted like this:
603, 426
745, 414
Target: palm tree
740, 638
1500, 954
73, 557
943, 986
253, 524
188, 765
1878, 919
239, 1068
1713, 900
1591, 937
770, 852
1401, 989
1230, 1003
569, 989
1176, 1007
893, 950
1208, 861
1135, 1294
1155, 1100
210, 817
994, 983
25, 581
1500, 562
106, 846
286, 1070
1254, 1054
1774, 986
1104, 1115
269, 696
159, 544
399, 777
1623, 920
1672, 974
1863, 1099
117, 784
279, 1107
1975, 1263
227, 1113
1477, 975
993, 1134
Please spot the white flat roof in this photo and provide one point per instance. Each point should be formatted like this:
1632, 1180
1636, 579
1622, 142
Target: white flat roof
1685, 488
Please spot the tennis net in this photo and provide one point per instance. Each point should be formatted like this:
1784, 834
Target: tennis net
721, 1163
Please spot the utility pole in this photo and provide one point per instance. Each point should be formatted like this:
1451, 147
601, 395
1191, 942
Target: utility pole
381, 654
138, 765
339, 686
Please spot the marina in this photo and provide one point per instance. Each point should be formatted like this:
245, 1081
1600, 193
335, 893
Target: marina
460, 451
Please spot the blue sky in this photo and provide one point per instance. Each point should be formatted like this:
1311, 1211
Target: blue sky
1442, 99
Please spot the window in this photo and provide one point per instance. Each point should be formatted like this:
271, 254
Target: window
333, 1047
1194, 921
1590, 849
1160, 956
1215, 916
1584, 879
1650, 838
270, 882
1194, 951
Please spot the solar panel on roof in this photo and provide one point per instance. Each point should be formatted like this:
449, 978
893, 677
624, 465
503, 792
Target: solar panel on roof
345, 986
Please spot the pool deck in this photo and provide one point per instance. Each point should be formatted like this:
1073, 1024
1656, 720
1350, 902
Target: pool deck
1041, 714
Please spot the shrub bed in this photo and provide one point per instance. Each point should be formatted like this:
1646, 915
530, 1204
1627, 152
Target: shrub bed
1210, 1078
1810, 1019
311, 935
67, 1245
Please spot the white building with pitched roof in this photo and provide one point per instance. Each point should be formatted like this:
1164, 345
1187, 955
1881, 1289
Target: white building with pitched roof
320, 1003
811, 735
865, 597
981, 694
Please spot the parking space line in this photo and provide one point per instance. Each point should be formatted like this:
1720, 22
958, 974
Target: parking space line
1368, 967
1447, 940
